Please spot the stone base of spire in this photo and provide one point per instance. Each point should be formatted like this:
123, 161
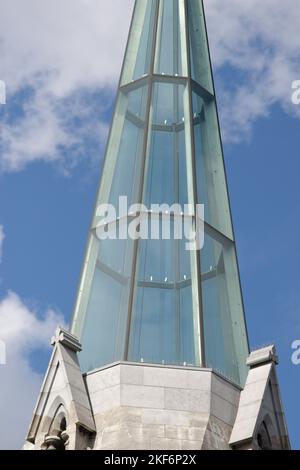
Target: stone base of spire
139, 406
150, 407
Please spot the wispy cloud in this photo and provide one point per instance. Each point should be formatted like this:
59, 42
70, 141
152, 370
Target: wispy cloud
24, 332
54, 52
260, 43
60, 61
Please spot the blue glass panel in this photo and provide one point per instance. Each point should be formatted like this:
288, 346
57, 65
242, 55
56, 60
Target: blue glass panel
171, 47
200, 62
139, 52
122, 168
103, 335
166, 175
163, 326
210, 172
224, 328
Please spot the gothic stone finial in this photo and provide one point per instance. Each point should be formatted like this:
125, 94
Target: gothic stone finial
66, 339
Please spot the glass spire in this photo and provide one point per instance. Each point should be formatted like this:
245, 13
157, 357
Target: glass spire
152, 300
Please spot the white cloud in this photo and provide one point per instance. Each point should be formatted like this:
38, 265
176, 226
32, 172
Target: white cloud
58, 52
2, 237
74, 42
23, 333
66, 49
260, 41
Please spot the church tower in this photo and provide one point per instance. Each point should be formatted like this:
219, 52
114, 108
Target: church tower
157, 356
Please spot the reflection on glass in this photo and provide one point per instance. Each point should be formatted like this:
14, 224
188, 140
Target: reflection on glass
164, 328
139, 52
211, 181
224, 330
121, 174
171, 40
166, 176
165, 311
104, 328
200, 62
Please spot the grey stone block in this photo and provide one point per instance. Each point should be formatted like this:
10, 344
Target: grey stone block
132, 375
103, 379
142, 396
192, 445
243, 430
255, 392
249, 410
223, 410
259, 374
199, 380
164, 377
225, 390
166, 417
187, 400
165, 444
105, 399
185, 433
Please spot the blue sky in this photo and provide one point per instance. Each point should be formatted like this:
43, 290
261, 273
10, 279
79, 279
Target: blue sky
265, 202
53, 131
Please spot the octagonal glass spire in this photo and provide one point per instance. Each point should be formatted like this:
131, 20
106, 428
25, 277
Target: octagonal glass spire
152, 300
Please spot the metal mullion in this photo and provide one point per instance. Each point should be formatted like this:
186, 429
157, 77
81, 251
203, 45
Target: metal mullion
169, 78
178, 127
217, 235
198, 257
201, 91
162, 128
176, 85
140, 199
111, 273
166, 286
135, 120
175, 37
134, 84
127, 43
176, 190
209, 275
